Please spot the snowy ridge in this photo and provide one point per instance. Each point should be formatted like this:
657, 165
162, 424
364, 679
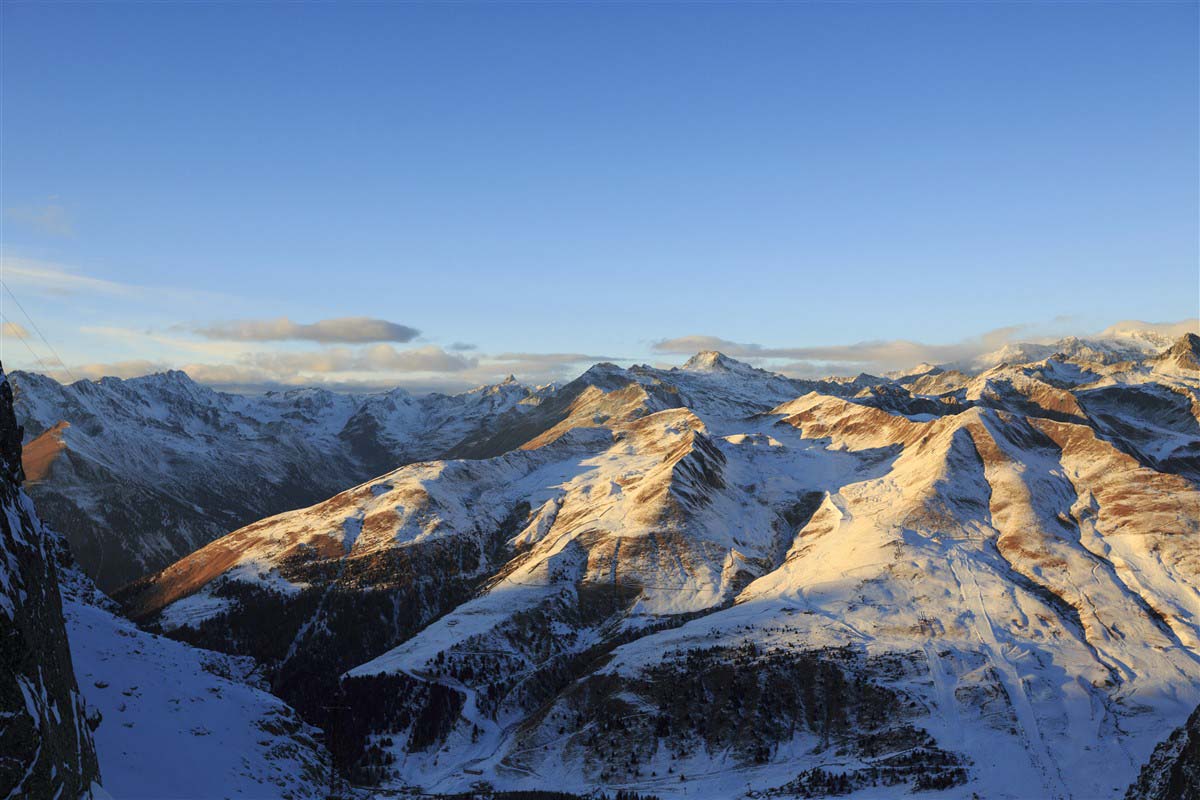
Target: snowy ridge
1119, 343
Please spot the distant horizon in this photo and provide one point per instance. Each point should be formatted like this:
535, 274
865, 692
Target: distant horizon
963, 352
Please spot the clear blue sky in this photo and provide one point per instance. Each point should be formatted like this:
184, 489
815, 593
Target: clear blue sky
591, 178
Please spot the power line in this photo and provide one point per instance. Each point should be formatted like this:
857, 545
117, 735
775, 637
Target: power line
38, 331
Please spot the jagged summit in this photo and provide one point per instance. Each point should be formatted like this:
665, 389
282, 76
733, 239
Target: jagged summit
1188, 344
510, 384
1183, 355
1126, 342
922, 369
604, 374
175, 379
714, 361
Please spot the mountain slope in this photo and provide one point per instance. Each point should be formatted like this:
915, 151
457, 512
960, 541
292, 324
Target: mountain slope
163, 707
936, 589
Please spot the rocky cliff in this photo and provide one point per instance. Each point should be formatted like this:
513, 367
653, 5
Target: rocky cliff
46, 747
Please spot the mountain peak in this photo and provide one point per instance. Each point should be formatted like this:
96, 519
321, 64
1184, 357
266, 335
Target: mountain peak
170, 377
603, 373
1189, 343
1184, 353
714, 361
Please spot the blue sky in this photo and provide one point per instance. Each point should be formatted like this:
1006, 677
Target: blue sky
555, 183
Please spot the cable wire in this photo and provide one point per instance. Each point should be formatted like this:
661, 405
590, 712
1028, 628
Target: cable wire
38, 330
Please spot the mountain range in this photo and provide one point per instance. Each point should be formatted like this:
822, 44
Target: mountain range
138, 473
706, 581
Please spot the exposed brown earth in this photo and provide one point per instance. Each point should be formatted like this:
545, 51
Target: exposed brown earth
40, 454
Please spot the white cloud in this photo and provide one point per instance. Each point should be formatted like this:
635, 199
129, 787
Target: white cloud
880, 356
14, 329
891, 354
378, 358
57, 280
44, 277
1172, 330
342, 330
142, 339
132, 368
553, 364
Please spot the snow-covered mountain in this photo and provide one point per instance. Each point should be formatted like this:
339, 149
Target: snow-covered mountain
136, 473
714, 580
1123, 342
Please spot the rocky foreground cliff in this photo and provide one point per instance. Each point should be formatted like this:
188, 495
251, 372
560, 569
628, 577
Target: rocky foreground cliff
46, 747
1173, 771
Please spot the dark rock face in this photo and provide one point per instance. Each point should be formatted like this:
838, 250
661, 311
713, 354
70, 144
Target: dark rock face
744, 702
897, 400
46, 745
1173, 771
